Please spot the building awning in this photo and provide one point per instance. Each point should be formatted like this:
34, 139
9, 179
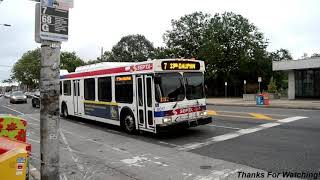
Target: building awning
310, 63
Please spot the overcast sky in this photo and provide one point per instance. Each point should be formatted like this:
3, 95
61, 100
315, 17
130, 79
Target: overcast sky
290, 24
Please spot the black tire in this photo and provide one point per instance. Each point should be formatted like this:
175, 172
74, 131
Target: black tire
128, 123
33, 104
64, 110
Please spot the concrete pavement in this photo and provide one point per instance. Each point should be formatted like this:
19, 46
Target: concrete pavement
274, 103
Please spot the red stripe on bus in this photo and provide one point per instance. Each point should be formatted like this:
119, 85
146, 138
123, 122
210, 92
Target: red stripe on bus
133, 68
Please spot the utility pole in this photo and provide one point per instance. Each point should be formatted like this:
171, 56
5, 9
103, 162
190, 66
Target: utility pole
49, 112
51, 28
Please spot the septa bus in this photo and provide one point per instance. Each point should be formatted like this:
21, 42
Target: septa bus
149, 96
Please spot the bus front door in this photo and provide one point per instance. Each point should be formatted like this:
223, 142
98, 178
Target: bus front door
76, 96
145, 102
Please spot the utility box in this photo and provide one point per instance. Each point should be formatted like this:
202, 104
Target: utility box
14, 151
266, 98
13, 159
259, 99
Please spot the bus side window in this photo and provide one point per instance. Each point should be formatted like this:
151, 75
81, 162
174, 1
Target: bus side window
124, 89
67, 88
89, 89
104, 89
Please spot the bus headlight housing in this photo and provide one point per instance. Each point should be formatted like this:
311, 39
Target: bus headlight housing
204, 113
167, 120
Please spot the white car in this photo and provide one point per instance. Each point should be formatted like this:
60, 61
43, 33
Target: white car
7, 94
18, 96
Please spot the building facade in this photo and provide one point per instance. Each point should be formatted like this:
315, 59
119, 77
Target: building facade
303, 77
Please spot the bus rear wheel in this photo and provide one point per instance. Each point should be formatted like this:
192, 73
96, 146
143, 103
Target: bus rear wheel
128, 123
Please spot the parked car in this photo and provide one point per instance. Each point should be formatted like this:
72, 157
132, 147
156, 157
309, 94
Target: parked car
28, 94
1, 94
36, 99
7, 94
18, 96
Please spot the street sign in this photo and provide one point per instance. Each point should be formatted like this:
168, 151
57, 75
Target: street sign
64, 4
259, 79
53, 24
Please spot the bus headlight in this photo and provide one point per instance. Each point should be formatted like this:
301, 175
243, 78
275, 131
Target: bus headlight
166, 119
204, 113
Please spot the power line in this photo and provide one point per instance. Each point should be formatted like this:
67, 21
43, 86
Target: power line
4, 65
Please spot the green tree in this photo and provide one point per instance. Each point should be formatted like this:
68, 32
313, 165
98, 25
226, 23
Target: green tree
187, 34
131, 48
281, 55
272, 87
10, 80
70, 61
27, 69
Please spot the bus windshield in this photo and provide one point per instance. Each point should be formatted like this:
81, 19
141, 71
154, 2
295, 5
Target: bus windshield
194, 85
169, 87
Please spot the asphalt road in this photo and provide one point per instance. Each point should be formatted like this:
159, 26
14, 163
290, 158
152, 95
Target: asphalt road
240, 139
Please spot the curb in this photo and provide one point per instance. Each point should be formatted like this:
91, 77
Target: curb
264, 106
34, 173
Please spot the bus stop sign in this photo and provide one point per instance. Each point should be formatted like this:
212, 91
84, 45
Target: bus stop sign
52, 24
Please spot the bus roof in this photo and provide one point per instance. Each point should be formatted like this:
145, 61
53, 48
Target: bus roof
150, 66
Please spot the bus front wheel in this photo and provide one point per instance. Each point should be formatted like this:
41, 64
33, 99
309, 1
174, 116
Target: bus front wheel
128, 123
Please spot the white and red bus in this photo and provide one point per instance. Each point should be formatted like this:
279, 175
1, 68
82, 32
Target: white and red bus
150, 96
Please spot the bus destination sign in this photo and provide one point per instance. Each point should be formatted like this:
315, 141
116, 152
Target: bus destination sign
180, 65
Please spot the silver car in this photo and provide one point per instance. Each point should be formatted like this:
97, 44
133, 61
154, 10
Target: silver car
18, 96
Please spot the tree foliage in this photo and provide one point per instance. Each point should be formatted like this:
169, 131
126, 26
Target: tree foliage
231, 46
27, 69
131, 48
187, 34
281, 55
70, 61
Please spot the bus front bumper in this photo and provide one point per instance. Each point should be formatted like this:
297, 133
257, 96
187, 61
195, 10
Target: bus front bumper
184, 124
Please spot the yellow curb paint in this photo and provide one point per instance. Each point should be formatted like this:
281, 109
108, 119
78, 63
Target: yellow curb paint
212, 113
260, 116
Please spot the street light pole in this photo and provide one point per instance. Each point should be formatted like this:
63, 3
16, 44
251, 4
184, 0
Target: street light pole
225, 89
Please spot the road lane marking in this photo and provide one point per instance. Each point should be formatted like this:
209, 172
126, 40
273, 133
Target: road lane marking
170, 144
242, 117
192, 146
13, 110
290, 119
260, 116
226, 127
268, 125
36, 141
73, 156
268, 114
212, 113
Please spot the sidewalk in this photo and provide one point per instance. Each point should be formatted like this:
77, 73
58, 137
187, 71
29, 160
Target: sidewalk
274, 103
